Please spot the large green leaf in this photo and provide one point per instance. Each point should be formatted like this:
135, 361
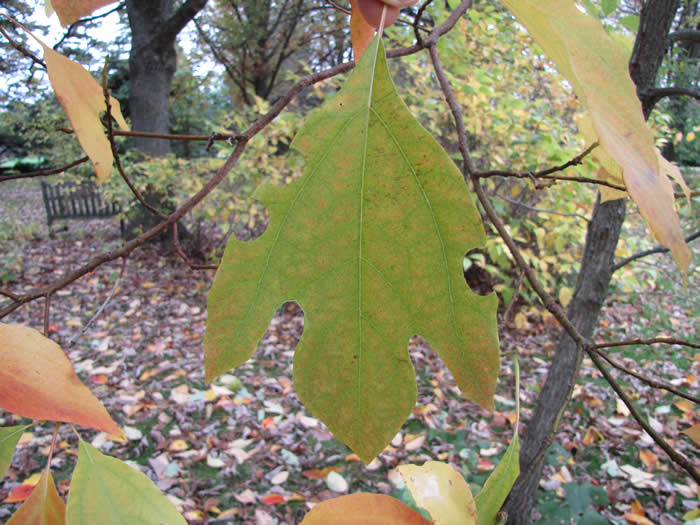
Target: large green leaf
106, 491
9, 436
370, 243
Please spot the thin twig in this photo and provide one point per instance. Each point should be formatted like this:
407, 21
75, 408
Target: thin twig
102, 306
47, 313
514, 297
651, 251
547, 173
44, 173
9, 294
541, 210
549, 302
645, 342
676, 456
169, 136
183, 256
19, 47
417, 19
656, 383
115, 152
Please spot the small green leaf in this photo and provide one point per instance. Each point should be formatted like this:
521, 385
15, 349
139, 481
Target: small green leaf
370, 243
630, 22
9, 436
608, 6
106, 491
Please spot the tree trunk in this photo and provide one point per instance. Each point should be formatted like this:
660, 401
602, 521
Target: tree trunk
592, 283
591, 291
152, 64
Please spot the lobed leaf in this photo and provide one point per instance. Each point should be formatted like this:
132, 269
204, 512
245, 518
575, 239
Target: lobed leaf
106, 491
370, 242
597, 69
369, 509
37, 381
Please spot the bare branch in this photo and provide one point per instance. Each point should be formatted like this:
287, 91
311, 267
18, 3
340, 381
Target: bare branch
183, 256
19, 47
656, 340
651, 251
655, 383
653, 95
549, 302
692, 35
547, 173
44, 173
115, 152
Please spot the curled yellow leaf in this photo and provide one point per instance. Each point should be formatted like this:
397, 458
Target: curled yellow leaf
596, 67
83, 99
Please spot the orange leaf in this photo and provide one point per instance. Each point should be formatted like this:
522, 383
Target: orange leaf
20, 493
319, 473
693, 433
70, 11
363, 508
43, 507
37, 381
362, 33
273, 499
650, 460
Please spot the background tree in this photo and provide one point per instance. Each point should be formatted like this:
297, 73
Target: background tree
656, 19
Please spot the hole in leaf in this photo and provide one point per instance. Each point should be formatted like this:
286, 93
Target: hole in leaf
475, 273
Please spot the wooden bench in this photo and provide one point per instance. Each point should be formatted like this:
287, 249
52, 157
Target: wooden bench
69, 200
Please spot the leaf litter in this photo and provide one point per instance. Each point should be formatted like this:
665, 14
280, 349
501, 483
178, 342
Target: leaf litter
244, 450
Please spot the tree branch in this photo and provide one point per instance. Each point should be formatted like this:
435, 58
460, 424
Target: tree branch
176, 23
657, 249
655, 383
549, 302
44, 173
692, 35
653, 95
656, 340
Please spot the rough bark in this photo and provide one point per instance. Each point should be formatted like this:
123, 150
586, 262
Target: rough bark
592, 283
154, 25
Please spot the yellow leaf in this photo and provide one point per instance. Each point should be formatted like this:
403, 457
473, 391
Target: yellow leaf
565, 295
70, 11
597, 69
83, 100
179, 445
442, 491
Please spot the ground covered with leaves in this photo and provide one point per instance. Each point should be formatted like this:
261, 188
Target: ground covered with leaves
244, 450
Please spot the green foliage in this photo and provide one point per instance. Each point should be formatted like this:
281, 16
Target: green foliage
576, 508
345, 248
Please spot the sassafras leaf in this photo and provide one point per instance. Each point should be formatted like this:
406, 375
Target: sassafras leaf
370, 242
